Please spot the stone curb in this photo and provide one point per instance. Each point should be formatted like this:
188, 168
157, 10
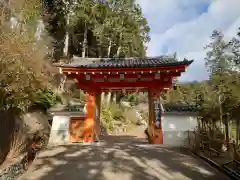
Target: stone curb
217, 166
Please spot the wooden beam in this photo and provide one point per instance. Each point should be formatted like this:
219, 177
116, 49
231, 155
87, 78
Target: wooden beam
126, 90
108, 85
178, 68
126, 76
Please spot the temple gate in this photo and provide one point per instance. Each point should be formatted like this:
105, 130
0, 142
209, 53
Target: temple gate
96, 75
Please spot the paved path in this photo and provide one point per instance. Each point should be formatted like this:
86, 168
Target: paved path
119, 158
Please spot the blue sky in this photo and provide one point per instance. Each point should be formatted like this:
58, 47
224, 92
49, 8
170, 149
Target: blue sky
184, 26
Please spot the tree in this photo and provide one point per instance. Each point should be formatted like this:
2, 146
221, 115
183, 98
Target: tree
222, 57
24, 68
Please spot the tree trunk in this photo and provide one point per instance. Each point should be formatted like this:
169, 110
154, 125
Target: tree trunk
62, 83
66, 44
108, 55
119, 47
21, 23
113, 97
119, 51
103, 96
3, 12
109, 48
226, 122
99, 51
109, 97
84, 41
221, 113
65, 53
237, 131
119, 96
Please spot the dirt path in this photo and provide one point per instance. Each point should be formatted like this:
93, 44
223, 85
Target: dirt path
119, 157
136, 131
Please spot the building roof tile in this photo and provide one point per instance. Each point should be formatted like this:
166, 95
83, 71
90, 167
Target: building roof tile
180, 108
137, 62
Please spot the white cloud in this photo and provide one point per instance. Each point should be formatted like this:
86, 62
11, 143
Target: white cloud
185, 27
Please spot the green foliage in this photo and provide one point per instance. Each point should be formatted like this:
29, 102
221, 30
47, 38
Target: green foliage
218, 98
110, 115
46, 98
132, 98
142, 98
113, 28
136, 98
24, 69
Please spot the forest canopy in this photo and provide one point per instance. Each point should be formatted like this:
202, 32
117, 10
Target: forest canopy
34, 34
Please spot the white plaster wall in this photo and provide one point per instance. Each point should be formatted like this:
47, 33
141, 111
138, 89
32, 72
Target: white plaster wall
60, 130
176, 127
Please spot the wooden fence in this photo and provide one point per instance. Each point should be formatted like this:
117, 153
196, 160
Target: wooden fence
212, 145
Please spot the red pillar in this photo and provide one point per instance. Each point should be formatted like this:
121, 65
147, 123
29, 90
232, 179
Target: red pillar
90, 116
155, 133
97, 127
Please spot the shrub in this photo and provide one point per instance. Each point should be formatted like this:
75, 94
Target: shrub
110, 115
131, 98
46, 98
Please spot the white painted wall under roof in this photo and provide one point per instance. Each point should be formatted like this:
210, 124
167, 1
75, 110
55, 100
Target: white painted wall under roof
176, 127
60, 130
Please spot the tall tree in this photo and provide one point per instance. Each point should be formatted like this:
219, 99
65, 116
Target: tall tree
54, 17
221, 61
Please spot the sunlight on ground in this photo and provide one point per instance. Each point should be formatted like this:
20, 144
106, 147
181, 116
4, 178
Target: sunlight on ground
117, 161
198, 168
77, 153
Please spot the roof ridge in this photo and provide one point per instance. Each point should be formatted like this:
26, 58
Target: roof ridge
130, 62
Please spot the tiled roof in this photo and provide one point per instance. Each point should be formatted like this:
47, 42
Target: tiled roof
68, 109
180, 108
137, 62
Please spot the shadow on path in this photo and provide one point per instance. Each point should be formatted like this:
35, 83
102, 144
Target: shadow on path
119, 157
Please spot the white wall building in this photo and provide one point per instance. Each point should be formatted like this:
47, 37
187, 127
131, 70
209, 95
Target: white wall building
177, 123
61, 122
